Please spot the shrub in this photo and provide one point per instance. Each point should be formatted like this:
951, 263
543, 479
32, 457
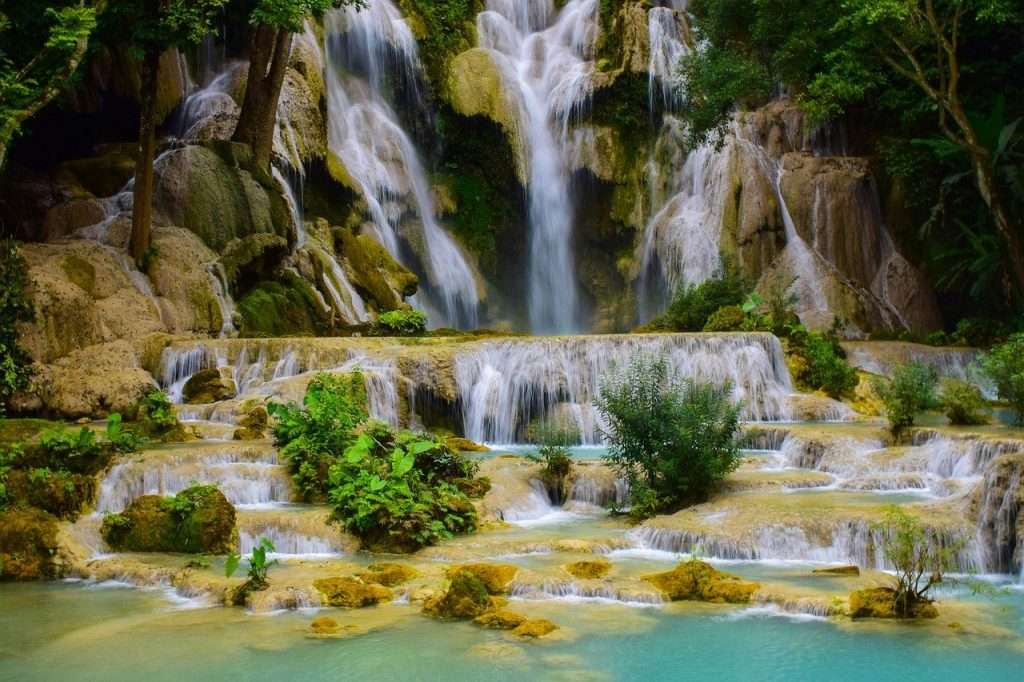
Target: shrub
401, 323
389, 492
259, 568
821, 362
693, 305
1004, 365
313, 436
731, 318
554, 439
15, 307
910, 390
781, 301
672, 440
905, 543
963, 402
155, 415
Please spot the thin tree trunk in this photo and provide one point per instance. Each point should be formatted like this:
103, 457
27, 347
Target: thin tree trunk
985, 176
142, 204
268, 64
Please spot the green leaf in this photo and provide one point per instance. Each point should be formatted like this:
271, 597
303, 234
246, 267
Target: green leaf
420, 446
231, 565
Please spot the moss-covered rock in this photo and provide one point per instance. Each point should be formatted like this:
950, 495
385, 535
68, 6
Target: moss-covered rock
28, 546
495, 577
700, 581
65, 495
589, 570
198, 519
837, 570
103, 175
473, 487
388, 574
465, 445
254, 425
287, 308
351, 592
466, 598
727, 319
253, 257
534, 628
500, 620
880, 602
383, 279
324, 625
208, 386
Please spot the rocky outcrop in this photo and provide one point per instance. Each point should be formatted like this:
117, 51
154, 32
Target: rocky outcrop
494, 577
466, 597
388, 574
197, 520
29, 546
351, 592
209, 386
880, 602
589, 570
700, 581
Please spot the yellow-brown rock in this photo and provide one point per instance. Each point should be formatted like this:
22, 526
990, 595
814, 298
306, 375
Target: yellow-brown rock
388, 574
880, 602
351, 592
589, 570
495, 577
700, 581
535, 628
500, 620
325, 626
837, 570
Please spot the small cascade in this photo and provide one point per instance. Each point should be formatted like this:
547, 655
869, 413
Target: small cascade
594, 488
1000, 510
573, 590
546, 61
203, 104
364, 131
504, 384
292, 532
668, 44
534, 506
222, 293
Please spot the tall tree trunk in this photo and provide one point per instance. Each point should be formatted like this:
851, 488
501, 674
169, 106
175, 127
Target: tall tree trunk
268, 63
988, 187
142, 203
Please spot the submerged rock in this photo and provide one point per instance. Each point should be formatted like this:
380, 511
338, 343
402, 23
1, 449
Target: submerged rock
837, 570
325, 625
388, 574
198, 519
880, 602
700, 581
500, 620
351, 592
535, 628
466, 598
29, 546
589, 570
494, 577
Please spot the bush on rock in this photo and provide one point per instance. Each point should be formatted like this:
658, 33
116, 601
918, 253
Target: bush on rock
197, 520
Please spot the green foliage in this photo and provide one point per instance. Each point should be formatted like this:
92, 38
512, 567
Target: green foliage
1004, 366
693, 305
401, 323
731, 318
474, 218
448, 28
387, 492
259, 569
189, 500
289, 14
963, 402
15, 307
671, 439
157, 26
155, 414
554, 439
919, 560
910, 389
314, 436
820, 362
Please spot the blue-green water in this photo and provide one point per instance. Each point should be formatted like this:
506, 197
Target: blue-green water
71, 632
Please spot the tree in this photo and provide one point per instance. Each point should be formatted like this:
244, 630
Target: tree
910, 390
40, 50
1004, 366
152, 27
671, 439
920, 41
275, 21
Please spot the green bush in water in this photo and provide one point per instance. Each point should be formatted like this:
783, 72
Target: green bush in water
313, 436
401, 323
821, 362
910, 389
1004, 365
963, 402
671, 439
395, 492
693, 305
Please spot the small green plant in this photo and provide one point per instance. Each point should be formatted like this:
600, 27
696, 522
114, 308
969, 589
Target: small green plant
963, 402
672, 439
1004, 366
909, 390
156, 412
553, 453
919, 560
122, 440
116, 520
693, 305
259, 569
190, 499
818, 361
401, 323
781, 301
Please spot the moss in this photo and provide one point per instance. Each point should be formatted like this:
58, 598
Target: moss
466, 598
534, 628
80, 271
376, 272
63, 494
473, 487
324, 625
589, 570
276, 309
28, 546
880, 602
623, 106
254, 425
253, 258
700, 581
20, 430
388, 574
495, 577
500, 620
208, 386
351, 592
199, 519
102, 176
837, 570
465, 445
443, 28
472, 218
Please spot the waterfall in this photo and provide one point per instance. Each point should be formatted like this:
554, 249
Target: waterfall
548, 60
668, 46
363, 49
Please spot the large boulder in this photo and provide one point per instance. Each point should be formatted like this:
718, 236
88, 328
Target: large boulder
700, 581
209, 386
351, 592
197, 520
495, 578
466, 598
29, 546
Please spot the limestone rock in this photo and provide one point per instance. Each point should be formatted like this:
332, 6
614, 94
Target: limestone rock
534, 628
29, 546
589, 570
500, 620
388, 574
700, 581
495, 577
880, 602
837, 570
351, 592
254, 425
202, 520
466, 598
208, 386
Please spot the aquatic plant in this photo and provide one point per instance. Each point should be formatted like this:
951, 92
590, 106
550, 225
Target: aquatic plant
910, 389
259, 569
671, 439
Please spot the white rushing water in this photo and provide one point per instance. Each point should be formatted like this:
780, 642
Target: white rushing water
546, 60
363, 50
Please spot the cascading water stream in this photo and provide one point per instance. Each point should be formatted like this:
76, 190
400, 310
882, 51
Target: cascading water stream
549, 64
365, 133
